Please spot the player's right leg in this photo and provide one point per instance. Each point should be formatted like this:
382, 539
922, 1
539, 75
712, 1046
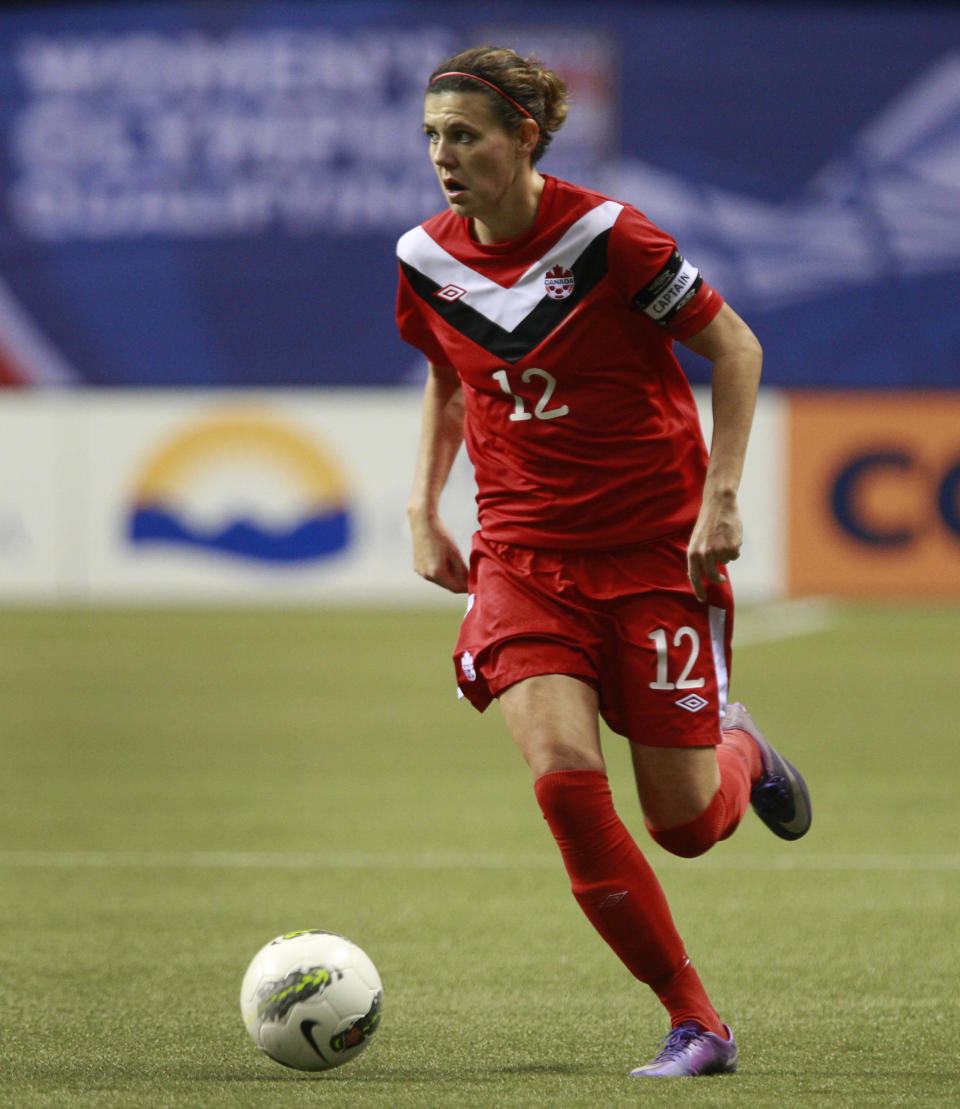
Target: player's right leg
553, 718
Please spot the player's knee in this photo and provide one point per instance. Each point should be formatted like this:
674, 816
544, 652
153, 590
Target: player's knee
694, 837
552, 757
688, 841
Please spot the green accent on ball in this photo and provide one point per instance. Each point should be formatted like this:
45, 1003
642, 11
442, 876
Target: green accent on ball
296, 986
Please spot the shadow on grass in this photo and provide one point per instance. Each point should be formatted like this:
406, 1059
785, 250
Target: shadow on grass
106, 1077
400, 1075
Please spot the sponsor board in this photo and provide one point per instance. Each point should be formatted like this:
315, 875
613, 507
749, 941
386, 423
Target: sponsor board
37, 515
260, 496
220, 496
874, 494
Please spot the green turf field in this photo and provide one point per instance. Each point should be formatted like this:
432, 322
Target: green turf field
180, 786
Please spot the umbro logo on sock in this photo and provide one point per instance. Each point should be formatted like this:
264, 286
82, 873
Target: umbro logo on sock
612, 899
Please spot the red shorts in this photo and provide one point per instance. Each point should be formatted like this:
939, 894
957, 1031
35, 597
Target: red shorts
625, 621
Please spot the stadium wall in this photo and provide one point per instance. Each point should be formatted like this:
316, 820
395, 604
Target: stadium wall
299, 496
256, 496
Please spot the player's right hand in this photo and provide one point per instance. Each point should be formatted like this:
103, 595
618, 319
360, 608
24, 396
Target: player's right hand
437, 557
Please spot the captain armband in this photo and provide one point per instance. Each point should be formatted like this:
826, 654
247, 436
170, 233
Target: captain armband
673, 288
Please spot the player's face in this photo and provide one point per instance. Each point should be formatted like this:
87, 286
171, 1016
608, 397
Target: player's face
479, 163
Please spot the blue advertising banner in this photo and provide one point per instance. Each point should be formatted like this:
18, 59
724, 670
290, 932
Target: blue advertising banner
207, 194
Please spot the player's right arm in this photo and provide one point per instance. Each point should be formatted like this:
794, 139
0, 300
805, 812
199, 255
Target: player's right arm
436, 556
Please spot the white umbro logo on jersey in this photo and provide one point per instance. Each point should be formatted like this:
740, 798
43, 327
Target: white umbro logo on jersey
692, 703
559, 283
450, 292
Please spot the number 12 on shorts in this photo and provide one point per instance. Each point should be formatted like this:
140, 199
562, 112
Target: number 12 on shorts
684, 681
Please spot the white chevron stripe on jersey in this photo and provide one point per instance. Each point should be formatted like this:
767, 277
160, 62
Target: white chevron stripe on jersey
506, 307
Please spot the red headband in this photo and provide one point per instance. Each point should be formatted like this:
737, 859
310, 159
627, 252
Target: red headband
473, 77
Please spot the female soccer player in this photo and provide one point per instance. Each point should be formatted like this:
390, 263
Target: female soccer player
596, 582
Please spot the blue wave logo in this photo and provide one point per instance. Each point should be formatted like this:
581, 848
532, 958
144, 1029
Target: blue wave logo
231, 452
309, 540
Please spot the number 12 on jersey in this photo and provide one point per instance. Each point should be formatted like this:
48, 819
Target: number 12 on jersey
541, 411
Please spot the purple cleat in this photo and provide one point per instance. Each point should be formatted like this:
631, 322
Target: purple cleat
687, 1051
780, 798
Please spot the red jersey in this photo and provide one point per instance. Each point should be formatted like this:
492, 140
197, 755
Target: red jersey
580, 423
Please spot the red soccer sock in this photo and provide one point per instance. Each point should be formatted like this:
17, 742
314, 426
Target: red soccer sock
723, 815
746, 747
619, 893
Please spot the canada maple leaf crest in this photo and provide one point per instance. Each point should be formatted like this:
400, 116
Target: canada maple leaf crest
559, 282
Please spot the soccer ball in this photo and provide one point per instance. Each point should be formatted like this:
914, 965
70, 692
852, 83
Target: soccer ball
311, 1000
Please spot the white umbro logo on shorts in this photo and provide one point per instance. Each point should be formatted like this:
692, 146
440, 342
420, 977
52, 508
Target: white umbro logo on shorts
466, 665
693, 702
450, 293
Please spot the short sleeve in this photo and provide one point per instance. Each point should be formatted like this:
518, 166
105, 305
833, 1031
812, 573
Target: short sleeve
414, 327
657, 280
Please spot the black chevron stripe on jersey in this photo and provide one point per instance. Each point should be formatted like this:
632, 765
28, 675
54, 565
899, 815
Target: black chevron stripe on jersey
509, 321
510, 346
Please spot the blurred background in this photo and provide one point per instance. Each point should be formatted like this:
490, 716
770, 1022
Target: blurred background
204, 396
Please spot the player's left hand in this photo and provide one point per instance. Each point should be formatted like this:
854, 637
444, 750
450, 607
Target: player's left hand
716, 540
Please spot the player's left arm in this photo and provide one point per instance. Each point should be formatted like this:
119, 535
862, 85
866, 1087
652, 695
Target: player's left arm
737, 358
